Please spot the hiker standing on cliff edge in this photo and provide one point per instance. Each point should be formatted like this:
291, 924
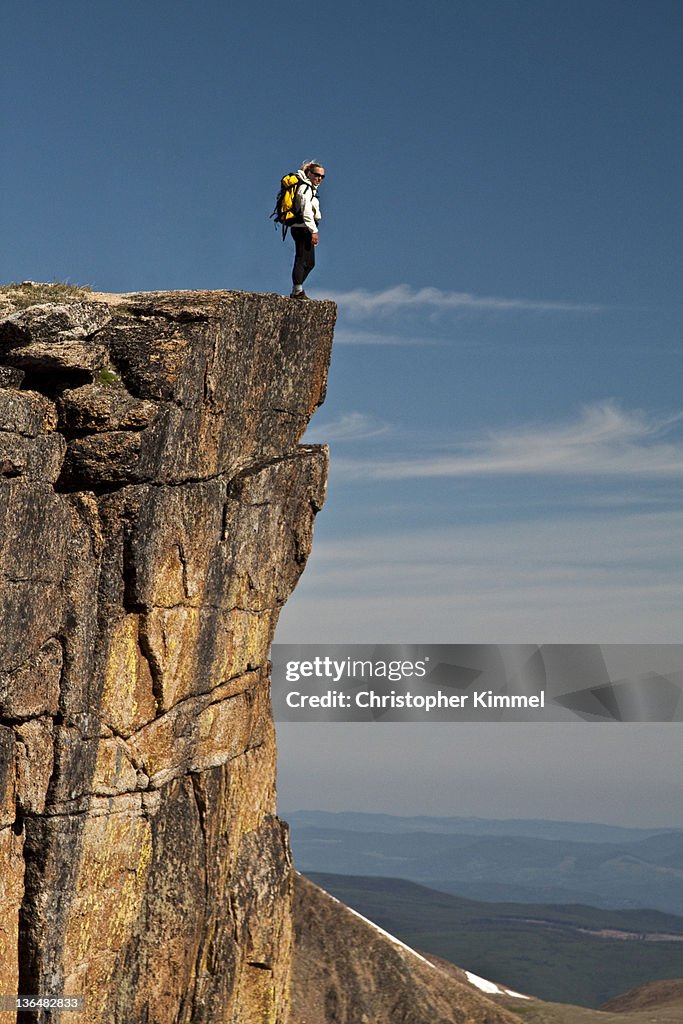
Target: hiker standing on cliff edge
304, 227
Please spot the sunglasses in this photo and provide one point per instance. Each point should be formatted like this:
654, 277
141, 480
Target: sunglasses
314, 174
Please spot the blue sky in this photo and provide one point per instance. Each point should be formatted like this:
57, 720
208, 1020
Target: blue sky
502, 226
502, 232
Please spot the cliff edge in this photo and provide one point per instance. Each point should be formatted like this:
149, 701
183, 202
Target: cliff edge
155, 514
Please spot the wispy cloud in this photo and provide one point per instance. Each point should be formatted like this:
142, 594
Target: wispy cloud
344, 336
571, 579
360, 302
350, 426
605, 440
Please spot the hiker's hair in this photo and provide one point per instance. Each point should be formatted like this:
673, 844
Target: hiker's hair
307, 164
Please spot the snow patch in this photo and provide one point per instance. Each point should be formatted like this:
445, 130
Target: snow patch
491, 987
482, 983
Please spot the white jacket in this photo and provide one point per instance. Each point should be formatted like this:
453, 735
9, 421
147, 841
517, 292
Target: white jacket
306, 205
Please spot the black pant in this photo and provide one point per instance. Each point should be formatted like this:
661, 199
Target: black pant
304, 257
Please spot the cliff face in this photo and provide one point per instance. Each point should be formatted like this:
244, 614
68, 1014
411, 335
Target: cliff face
155, 514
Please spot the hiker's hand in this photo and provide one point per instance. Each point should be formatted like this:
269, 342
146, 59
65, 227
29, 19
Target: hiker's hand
314, 237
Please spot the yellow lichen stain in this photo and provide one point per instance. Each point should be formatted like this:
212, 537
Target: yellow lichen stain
173, 638
251, 791
246, 638
206, 722
168, 584
257, 996
114, 771
109, 892
127, 697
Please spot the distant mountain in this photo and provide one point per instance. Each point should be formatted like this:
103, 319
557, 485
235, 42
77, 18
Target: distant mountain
573, 954
640, 869
534, 828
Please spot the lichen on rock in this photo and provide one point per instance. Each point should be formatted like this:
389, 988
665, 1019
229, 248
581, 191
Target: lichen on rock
156, 511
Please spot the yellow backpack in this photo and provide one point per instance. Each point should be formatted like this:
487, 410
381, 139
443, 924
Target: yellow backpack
283, 213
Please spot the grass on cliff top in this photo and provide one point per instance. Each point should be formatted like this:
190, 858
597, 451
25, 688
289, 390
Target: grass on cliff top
17, 295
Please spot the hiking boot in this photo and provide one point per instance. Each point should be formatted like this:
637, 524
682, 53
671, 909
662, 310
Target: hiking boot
298, 295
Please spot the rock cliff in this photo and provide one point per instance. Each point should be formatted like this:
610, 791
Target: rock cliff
155, 514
